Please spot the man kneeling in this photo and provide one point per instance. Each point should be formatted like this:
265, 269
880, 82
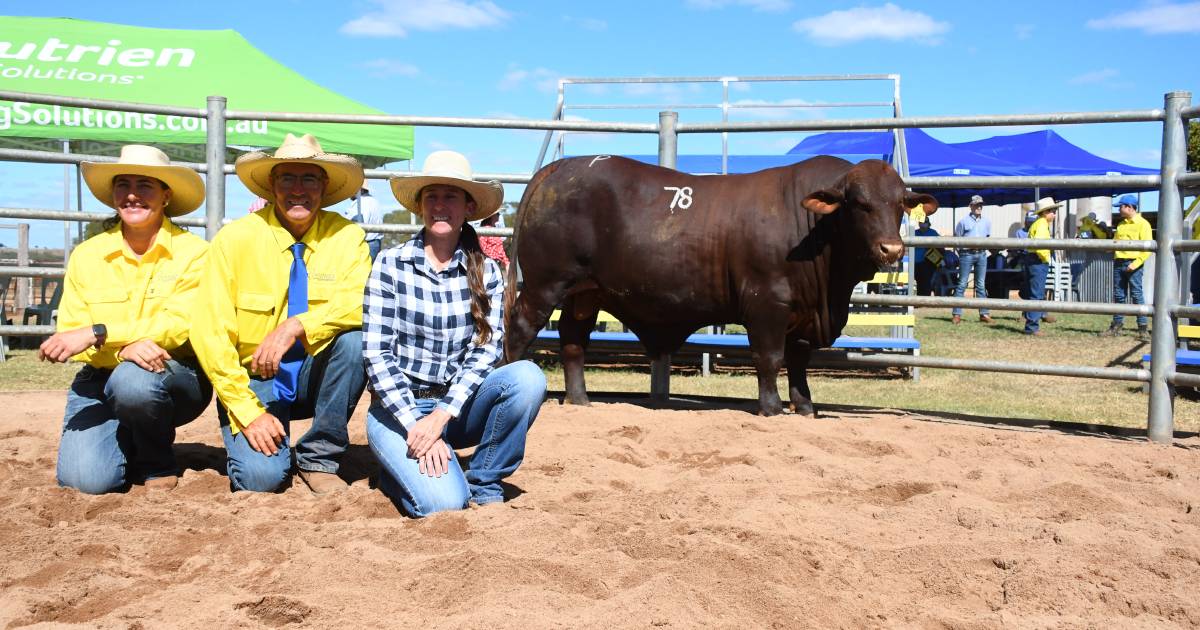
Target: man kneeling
277, 324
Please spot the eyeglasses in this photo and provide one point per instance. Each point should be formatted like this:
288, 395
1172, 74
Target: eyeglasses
309, 182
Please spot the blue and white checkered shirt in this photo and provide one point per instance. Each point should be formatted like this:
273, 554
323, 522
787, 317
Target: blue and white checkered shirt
418, 330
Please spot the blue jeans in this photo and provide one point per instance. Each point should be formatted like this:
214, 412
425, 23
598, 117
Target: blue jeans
122, 421
328, 388
1034, 288
1128, 282
373, 247
495, 420
968, 262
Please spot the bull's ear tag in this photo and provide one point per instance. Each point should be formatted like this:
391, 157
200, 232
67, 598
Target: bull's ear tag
682, 198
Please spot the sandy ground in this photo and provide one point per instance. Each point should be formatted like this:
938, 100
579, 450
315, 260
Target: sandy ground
624, 516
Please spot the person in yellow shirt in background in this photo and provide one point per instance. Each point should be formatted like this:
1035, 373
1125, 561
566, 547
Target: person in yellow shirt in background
1037, 264
1128, 266
278, 320
126, 303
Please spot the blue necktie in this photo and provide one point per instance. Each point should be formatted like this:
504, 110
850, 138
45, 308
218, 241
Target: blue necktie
289, 367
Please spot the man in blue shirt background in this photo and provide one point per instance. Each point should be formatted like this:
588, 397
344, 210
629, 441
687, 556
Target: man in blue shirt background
978, 226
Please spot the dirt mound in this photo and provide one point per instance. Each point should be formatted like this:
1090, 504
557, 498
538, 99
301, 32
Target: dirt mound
627, 517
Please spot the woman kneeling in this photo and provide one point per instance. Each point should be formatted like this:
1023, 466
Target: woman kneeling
125, 312
431, 341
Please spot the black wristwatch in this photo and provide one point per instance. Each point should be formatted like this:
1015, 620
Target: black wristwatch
101, 332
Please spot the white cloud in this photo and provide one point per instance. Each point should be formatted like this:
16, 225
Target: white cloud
762, 6
1154, 18
1096, 76
888, 22
390, 68
395, 18
543, 79
590, 24
746, 109
670, 92
1024, 31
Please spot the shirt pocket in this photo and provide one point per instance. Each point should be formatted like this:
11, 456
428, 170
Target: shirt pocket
107, 305
255, 316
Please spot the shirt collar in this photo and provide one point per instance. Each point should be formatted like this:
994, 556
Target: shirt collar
114, 242
283, 238
414, 251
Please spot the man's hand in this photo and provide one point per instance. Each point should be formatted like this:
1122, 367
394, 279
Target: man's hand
427, 431
436, 462
265, 434
147, 355
64, 345
268, 354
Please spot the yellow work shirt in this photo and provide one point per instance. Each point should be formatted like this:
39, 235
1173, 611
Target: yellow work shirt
244, 290
1041, 229
1135, 228
151, 298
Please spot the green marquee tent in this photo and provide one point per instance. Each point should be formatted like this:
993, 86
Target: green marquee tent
69, 57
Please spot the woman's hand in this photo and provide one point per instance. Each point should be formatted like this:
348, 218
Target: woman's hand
64, 345
436, 461
425, 432
147, 355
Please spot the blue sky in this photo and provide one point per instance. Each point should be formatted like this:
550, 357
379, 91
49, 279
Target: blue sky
502, 58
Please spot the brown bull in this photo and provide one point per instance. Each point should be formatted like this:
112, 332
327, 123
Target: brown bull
668, 253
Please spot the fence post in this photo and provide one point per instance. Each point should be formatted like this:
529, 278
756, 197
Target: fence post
24, 285
660, 366
214, 200
1161, 422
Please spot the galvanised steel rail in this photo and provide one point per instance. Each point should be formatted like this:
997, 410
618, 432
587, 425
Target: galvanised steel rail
1177, 109
1063, 118
997, 304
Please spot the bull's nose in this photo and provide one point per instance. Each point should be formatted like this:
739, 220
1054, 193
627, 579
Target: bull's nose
890, 252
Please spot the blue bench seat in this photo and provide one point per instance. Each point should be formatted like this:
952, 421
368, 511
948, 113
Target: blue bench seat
702, 341
1182, 357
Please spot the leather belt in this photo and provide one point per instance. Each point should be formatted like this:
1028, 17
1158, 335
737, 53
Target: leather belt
430, 391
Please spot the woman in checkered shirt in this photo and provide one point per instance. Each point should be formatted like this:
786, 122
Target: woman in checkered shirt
431, 341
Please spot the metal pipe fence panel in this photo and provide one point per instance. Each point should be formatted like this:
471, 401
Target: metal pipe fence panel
1063, 118
1173, 176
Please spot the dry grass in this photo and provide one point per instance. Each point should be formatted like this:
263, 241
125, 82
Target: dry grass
1072, 340
23, 372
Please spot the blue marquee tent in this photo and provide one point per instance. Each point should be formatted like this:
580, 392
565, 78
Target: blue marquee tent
927, 157
1051, 154
1035, 153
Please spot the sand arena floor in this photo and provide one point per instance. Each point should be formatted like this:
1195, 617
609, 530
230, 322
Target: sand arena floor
628, 517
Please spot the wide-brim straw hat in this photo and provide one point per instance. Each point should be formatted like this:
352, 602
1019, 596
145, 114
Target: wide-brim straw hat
187, 187
453, 169
1046, 204
344, 172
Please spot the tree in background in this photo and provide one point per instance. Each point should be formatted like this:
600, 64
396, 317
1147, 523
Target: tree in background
397, 217
1193, 147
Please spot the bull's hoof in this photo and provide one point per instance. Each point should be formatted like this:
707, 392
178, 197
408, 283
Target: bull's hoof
772, 410
804, 409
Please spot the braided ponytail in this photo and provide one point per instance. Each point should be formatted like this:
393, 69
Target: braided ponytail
481, 306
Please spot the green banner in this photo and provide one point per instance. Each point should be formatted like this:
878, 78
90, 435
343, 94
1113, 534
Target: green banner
183, 68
